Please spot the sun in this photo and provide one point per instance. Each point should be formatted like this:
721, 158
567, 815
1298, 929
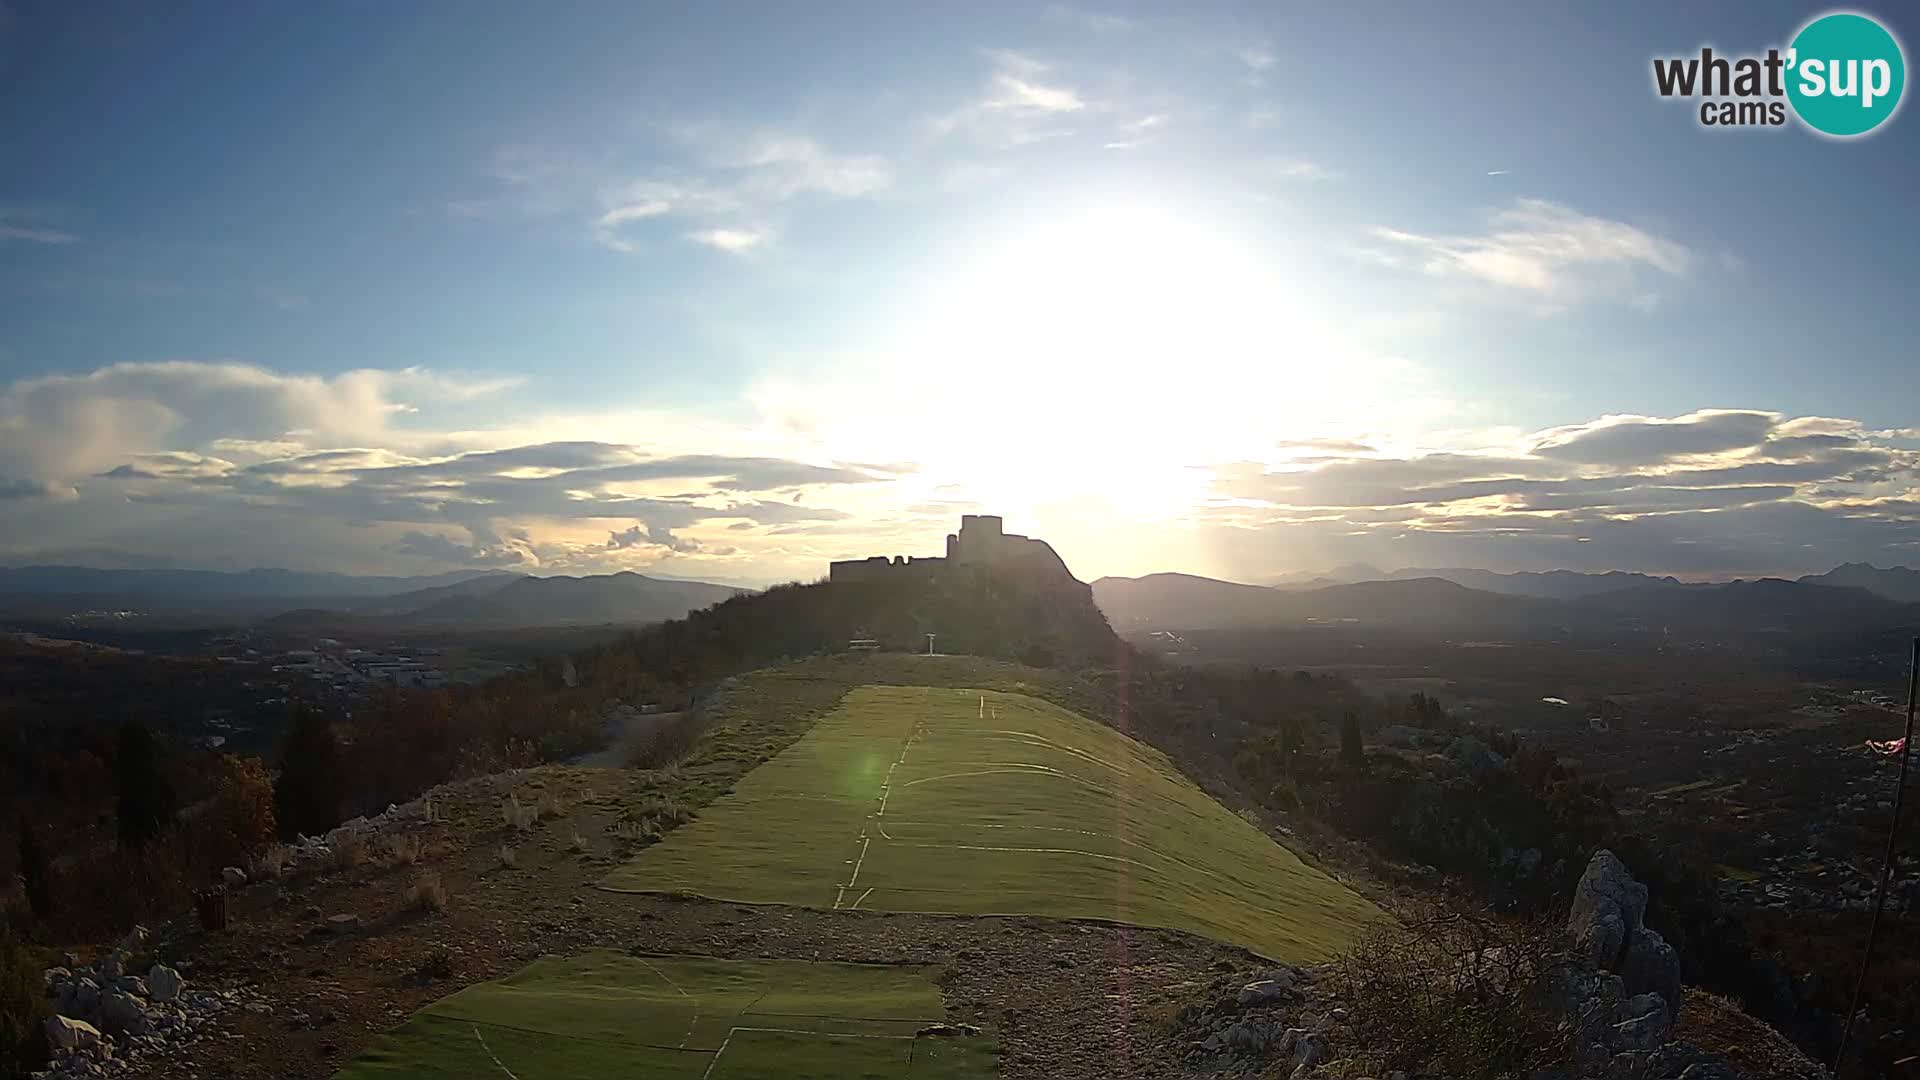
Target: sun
1101, 356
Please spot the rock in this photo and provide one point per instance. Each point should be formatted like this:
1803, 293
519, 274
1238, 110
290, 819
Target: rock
133, 984
1711, 1070
1309, 1050
1263, 992
122, 1013
949, 1030
1646, 1025
1607, 905
111, 965
233, 877
82, 997
164, 983
1651, 966
1338, 1015
1631, 1065
343, 923
65, 1033
1253, 1035
54, 978
135, 938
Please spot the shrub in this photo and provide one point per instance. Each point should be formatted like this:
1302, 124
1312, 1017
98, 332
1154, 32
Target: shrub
666, 743
429, 893
236, 825
145, 804
23, 1010
312, 785
349, 850
101, 893
1454, 994
437, 964
35, 875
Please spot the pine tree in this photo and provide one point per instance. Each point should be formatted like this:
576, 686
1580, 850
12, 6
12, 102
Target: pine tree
34, 873
1352, 751
146, 804
311, 789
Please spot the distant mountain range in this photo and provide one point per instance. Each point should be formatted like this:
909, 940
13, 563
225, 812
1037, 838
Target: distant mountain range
1472, 602
482, 599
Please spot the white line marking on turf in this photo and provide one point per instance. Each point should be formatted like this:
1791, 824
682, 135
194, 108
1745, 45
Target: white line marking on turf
496, 1058
784, 1031
669, 981
863, 898
886, 791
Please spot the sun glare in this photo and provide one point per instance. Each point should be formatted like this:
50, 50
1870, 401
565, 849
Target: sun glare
1108, 352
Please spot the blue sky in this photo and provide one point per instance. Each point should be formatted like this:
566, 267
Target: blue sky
1146, 279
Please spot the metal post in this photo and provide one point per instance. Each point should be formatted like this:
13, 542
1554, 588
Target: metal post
1886, 866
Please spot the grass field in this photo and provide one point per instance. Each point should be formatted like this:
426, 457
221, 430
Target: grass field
982, 802
605, 1015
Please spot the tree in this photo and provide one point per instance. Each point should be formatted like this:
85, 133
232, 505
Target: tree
146, 804
34, 872
312, 786
1353, 752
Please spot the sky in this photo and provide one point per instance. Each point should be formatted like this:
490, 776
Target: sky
727, 291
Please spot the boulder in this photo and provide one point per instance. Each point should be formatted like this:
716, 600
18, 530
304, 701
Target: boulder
66, 1033
123, 1014
1607, 905
1263, 992
233, 877
111, 965
1651, 966
164, 983
343, 923
1644, 1027
1309, 1050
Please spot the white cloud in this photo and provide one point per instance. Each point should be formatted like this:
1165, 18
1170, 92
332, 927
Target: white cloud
731, 241
35, 235
1546, 250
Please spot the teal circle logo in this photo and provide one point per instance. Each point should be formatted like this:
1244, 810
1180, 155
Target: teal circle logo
1845, 74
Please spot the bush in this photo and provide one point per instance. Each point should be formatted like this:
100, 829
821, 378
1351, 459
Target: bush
312, 785
1454, 994
23, 1009
667, 742
349, 850
35, 875
429, 893
145, 805
236, 825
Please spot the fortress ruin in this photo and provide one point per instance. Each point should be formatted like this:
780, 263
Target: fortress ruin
981, 542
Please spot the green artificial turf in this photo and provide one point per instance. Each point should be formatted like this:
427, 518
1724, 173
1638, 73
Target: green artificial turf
606, 1015
982, 802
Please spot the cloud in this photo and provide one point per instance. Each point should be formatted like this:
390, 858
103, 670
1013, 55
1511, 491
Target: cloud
63, 428
696, 177
35, 235
1733, 490
1634, 440
640, 534
1024, 101
731, 241
1545, 250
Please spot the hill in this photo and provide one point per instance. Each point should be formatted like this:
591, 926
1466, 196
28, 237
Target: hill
1185, 602
260, 591
997, 804
1895, 582
517, 601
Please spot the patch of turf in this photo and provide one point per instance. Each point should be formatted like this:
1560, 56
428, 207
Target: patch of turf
985, 802
605, 1014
